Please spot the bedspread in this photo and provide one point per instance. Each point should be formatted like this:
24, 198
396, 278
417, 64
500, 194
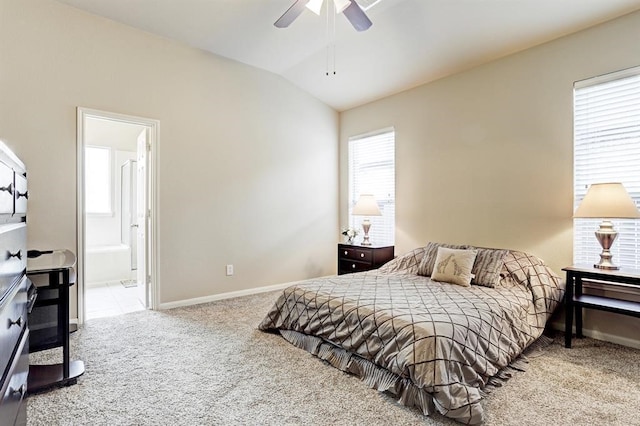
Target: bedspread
441, 343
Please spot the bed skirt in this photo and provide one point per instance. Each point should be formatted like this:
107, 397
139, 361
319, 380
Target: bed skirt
408, 394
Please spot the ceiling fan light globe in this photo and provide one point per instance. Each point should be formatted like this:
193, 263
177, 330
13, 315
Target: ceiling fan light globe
315, 6
341, 5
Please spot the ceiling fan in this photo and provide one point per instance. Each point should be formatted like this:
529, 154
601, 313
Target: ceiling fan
350, 8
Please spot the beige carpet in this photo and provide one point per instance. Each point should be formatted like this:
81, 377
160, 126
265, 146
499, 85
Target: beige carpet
208, 365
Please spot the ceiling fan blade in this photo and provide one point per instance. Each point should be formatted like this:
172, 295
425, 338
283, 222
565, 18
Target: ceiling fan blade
291, 14
357, 17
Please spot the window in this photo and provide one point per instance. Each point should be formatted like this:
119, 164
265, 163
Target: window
97, 180
607, 149
372, 171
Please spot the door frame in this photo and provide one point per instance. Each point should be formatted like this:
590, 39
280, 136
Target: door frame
153, 275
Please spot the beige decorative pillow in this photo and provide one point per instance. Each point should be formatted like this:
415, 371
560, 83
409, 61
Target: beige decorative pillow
454, 266
430, 252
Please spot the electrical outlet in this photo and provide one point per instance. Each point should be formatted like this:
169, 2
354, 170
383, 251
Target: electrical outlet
229, 270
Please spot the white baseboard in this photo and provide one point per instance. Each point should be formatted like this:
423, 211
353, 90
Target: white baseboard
624, 341
599, 335
222, 296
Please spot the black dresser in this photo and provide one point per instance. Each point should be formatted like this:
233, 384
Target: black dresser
17, 294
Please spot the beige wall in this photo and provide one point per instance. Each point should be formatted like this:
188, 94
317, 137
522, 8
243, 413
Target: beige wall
248, 169
485, 157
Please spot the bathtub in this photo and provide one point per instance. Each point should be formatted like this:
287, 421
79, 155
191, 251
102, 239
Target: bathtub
107, 263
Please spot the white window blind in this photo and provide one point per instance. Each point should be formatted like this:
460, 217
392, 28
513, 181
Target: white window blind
607, 149
97, 180
372, 171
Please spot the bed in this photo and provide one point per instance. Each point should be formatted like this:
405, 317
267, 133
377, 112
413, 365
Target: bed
404, 330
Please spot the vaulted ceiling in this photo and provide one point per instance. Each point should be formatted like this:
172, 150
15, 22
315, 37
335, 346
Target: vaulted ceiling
410, 43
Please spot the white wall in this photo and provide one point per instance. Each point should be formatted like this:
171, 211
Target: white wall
121, 138
248, 162
106, 229
485, 157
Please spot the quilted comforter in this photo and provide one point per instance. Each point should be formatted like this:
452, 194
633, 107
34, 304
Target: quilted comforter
435, 345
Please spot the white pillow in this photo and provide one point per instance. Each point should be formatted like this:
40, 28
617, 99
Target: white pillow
454, 266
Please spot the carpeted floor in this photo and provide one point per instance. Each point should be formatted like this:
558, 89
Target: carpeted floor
208, 365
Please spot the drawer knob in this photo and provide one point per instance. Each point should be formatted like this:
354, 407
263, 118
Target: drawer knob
353, 266
346, 252
17, 254
8, 188
361, 254
17, 322
24, 194
21, 390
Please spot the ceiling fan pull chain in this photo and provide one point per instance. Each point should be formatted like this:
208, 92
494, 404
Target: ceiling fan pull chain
328, 42
330, 38
326, 70
333, 36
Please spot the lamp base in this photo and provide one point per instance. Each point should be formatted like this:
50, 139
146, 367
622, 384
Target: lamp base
610, 267
606, 235
366, 225
605, 261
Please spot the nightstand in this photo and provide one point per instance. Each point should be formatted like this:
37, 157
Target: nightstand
355, 258
575, 300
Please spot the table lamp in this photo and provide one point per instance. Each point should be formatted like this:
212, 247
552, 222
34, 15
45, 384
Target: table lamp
366, 206
607, 201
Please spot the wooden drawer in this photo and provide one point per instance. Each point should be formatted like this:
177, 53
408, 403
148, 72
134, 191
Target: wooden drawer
13, 319
347, 266
12, 406
13, 255
21, 194
6, 189
363, 255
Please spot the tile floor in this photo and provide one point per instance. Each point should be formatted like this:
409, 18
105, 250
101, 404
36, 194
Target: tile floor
111, 299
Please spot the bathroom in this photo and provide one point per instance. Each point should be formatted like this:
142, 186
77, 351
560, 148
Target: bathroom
111, 256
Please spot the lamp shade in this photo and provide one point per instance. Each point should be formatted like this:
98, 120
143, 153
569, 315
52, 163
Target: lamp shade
607, 201
366, 206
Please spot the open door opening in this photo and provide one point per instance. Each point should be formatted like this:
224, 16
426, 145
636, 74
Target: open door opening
116, 251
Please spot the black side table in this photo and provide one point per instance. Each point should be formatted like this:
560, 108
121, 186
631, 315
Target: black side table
575, 300
50, 316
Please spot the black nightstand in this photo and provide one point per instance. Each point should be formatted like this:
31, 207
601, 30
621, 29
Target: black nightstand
575, 300
356, 258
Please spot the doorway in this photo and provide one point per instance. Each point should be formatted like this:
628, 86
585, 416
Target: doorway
116, 214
